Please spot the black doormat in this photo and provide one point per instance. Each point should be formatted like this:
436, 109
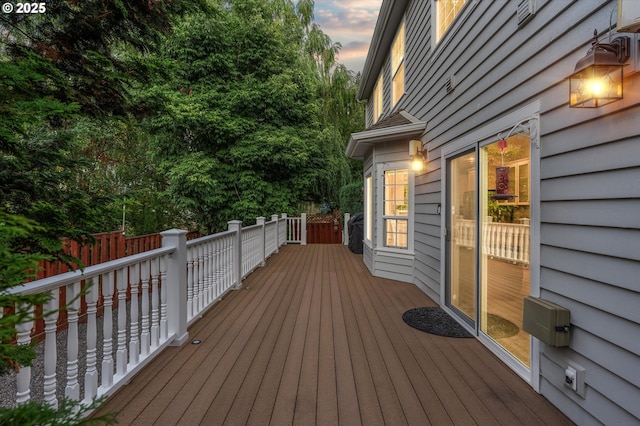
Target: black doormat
435, 321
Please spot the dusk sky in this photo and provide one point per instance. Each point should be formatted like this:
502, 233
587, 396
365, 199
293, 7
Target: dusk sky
351, 23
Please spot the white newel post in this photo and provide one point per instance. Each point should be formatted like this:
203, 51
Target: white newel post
274, 218
263, 237
176, 285
286, 227
345, 229
236, 226
303, 229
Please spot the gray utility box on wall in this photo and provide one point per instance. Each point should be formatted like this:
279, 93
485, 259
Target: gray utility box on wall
546, 321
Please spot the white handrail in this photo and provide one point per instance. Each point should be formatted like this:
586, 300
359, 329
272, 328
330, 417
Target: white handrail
146, 302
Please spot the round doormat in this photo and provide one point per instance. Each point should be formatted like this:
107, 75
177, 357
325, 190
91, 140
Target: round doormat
435, 321
499, 328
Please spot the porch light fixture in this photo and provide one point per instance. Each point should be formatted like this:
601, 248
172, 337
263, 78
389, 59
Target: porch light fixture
417, 155
597, 78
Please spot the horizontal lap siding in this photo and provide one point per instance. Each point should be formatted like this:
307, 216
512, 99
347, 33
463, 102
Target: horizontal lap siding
367, 257
590, 179
590, 236
394, 267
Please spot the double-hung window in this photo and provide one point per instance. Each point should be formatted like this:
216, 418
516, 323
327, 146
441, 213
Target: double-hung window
397, 66
396, 208
446, 12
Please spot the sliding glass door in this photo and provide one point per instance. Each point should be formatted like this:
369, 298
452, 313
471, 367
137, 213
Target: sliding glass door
488, 241
461, 235
504, 254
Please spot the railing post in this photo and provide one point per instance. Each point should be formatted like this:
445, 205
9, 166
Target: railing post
274, 218
263, 236
286, 227
176, 285
303, 229
345, 229
236, 264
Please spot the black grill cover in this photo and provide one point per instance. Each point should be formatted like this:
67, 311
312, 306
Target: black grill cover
356, 232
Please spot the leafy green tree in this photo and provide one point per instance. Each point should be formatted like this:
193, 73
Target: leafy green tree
239, 128
75, 60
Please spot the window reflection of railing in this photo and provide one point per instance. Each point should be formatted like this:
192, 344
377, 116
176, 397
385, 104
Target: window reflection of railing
506, 241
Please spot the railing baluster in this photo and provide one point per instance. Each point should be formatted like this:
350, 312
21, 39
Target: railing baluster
210, 289
121, 352
50, 312
219, 266
134, 339
229, 262
145, 334
164, 331
190, 313
72, 390
91, 374
216, 267
23, 331
155, 295
200, 277
107, 331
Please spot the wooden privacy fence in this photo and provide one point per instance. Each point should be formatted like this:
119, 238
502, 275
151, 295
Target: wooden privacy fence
107, 246
324, 229
324, 233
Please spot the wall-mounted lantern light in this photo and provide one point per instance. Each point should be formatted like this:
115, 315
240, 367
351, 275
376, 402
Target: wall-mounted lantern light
417, 155
597, 78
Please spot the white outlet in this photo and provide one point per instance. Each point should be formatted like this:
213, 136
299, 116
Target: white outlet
570, 379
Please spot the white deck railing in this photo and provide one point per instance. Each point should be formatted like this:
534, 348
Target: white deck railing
297, 229
146, 303
506, 241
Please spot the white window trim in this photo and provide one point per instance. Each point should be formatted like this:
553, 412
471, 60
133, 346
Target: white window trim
369, 210
378, 98
400, 65
437, 47
379, 208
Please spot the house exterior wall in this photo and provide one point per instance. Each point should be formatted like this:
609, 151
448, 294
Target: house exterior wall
589, 178
382, 262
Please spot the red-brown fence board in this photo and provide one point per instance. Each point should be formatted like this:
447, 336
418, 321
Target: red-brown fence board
324, 233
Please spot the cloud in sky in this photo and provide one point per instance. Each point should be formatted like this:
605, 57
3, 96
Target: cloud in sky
351, 23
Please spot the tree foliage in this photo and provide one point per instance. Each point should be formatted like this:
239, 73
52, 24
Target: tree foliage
246, 127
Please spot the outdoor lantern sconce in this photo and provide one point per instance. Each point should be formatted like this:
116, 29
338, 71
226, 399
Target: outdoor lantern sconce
597, 78
417, 155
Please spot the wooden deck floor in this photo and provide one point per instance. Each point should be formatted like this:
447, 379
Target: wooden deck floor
314, 339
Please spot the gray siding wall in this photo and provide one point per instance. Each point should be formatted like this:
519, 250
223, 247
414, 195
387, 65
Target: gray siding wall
590, 179
386, 96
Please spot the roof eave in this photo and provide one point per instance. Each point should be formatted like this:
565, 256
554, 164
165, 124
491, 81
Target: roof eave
389, 17
360, 143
